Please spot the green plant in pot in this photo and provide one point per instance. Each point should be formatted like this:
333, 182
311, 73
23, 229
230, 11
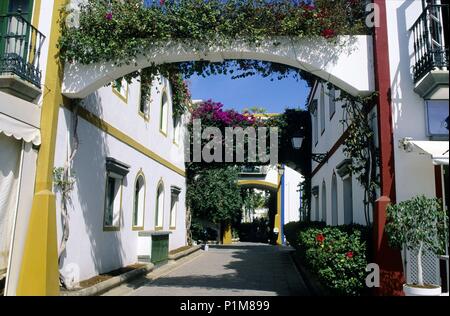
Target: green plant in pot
419, 224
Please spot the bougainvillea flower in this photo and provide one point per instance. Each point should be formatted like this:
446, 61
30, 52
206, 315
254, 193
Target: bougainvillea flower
328, 33
320, 238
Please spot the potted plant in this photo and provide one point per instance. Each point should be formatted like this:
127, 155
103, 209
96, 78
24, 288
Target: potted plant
419, 224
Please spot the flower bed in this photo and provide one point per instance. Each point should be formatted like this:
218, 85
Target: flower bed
336, 255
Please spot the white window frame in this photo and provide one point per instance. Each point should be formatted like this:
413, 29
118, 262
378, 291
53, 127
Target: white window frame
138, 214
159, 209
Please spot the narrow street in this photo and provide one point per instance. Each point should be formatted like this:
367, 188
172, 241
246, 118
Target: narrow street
243, 269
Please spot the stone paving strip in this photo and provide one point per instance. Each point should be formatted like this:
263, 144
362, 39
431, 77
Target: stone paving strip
241, 269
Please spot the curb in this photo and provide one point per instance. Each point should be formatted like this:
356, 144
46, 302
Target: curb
310, 280
184, 253
107, 285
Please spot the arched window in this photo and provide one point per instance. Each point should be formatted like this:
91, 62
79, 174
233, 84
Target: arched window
174, 201
159, 213
348, 199
322, 109
164, 114
334, 201
176, 129
324, 202
139, 202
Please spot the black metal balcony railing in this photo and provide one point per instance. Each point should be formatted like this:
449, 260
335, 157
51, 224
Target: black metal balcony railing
20, 48
430, 49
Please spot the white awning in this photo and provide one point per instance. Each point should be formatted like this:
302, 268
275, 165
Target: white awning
438, 150
19, 130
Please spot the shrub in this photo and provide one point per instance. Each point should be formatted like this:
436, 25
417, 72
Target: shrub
336, 255
419, 224
256, 231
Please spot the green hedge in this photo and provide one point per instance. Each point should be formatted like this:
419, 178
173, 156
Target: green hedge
336, 255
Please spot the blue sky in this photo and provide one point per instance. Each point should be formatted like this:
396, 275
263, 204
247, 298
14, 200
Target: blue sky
274, 95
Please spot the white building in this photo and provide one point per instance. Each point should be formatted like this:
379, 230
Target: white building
128, 173
412, 76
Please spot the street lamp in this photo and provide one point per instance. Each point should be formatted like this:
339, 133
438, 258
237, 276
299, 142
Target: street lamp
297, 141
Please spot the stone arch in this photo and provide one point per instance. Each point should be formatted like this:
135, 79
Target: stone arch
347, 62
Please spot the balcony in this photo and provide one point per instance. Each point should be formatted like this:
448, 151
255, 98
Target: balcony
431, 52
20, 51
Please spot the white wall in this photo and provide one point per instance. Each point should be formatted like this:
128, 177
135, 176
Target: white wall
291, 197
333, 131
413, 173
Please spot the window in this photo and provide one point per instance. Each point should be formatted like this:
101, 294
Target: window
113, 201
316, 202
120, 88
144, 102
115, 172
334, 201
139, 202
331, 101
322, 109
315, 122
159, 214
348, 200
437, 118
324, 202
176, 129
164, 114
174, 201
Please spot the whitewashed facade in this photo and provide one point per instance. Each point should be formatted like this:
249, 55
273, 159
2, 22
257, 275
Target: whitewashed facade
419, 112
95, 246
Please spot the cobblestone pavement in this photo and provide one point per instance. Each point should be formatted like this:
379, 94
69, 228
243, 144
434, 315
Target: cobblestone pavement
242, 269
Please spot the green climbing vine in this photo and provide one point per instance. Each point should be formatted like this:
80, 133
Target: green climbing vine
119, 30
359, 145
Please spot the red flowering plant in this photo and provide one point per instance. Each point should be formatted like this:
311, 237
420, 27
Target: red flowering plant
320, 238
337, 255
213, 114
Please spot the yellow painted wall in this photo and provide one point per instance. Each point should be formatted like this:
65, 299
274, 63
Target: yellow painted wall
39, 273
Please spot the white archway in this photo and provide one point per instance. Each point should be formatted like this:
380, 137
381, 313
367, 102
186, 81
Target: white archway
347, 63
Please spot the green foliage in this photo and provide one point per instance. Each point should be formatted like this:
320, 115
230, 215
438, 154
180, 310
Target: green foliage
119, 30
417, 220
62, 181
202, 233
336, 255
253, 200
256, 231
359, 145
214, 195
